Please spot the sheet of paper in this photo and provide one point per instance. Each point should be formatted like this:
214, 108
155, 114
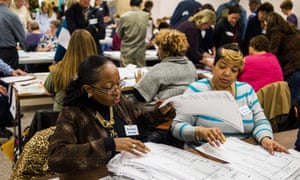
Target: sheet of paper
218, 104
13, 101
30, 87
64, 38
12, 79
255, 160
166, 162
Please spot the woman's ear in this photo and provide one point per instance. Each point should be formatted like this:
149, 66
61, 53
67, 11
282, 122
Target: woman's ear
88, 89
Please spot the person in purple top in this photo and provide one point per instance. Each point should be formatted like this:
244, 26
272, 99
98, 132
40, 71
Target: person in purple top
286, 7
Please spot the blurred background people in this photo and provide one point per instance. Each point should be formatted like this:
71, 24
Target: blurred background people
285, 44
287, 9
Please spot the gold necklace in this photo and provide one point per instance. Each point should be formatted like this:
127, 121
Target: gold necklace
108, 124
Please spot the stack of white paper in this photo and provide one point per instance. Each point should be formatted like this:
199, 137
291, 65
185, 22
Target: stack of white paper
166, 162
256, 160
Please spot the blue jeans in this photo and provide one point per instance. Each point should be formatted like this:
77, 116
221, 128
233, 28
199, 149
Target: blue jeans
294, 84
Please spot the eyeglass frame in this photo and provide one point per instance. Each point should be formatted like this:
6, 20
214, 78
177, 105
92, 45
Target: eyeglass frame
111, 90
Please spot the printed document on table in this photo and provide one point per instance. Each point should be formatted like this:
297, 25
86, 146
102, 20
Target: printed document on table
12, 79
167, 162
255, 160
218, 104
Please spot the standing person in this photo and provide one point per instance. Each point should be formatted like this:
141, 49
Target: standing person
255, 24
5, 115
194, 129
81, 45
261, 67
192, 27
253, 6
23, 13
81, 16
176, 69
286, 8
222, 12
93, 125
132, 30
285, 44
12, 32
184, 10
229, 30
44, 16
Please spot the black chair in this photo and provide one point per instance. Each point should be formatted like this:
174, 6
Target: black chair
41, 120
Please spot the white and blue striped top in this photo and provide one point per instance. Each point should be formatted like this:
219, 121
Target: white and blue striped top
255, 122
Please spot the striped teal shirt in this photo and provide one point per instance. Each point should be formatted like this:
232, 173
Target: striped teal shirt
255, 122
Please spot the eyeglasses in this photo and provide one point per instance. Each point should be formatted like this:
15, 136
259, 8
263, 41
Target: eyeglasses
110, 91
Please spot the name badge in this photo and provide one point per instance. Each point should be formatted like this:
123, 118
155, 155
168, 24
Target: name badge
228, 33
244, 110
93, 21
131, 130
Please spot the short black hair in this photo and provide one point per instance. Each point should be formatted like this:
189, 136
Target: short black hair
135, 2
148, 4
268, 7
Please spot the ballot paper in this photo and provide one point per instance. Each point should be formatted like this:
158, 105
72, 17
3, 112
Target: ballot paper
254, 159
218, 104
167, 162
31, 87
12, 79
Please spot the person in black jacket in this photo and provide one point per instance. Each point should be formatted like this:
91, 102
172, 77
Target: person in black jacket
82, 16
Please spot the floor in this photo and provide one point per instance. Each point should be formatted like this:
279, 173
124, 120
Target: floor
28, 112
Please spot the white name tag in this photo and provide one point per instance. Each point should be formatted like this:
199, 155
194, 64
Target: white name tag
244, 110
228, 33
131, 130
93, 21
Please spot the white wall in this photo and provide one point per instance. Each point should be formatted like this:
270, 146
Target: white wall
166, 7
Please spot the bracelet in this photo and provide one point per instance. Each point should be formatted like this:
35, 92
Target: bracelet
197, 137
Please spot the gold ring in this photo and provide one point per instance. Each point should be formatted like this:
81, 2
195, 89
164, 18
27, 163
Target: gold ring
133, 146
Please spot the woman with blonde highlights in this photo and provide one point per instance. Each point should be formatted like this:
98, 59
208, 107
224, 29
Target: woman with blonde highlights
81, 45
192, 29
172, 75
194, 129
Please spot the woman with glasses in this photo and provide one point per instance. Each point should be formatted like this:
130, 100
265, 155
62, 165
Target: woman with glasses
97, 122
194, 129
80, 46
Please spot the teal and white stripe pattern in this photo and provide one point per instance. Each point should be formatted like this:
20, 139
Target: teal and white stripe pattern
255, 122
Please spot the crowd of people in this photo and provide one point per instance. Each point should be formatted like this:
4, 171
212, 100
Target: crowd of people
96, 121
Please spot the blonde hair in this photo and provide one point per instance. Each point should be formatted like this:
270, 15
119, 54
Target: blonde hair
49, 6
172, 41
203, 17
231, 54
81, 45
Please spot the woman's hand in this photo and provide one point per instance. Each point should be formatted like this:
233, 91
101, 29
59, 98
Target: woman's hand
167, 109
3, 91
214, 136
270, 145
130, 145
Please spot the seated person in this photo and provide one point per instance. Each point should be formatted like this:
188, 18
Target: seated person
261, 67
49, 41
196, 128
5, 115
33, 37
81, 45
173, 74
93, 125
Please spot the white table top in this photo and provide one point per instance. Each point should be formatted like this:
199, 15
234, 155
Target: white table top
35, 57
151, 55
